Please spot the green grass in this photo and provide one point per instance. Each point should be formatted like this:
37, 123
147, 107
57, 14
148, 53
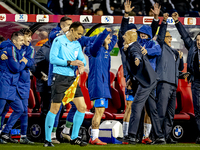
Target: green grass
66, 146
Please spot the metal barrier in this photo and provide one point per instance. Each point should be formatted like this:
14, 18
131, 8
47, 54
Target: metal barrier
28, 6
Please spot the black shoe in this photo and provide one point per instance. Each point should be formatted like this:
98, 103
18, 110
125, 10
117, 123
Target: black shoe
160, 141
198, 140
138, 141
128, 139
7, 138
171, 141
78, 141
48, 144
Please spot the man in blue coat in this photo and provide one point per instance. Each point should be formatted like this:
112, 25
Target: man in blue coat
168, 66
193, 59
99, 78
139, 66
10, 72
23, 86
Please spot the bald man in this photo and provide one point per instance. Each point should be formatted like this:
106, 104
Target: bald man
139, 67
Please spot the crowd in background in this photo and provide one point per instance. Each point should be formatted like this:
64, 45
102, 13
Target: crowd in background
185, 8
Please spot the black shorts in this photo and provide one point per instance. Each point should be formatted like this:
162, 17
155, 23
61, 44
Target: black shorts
59, 85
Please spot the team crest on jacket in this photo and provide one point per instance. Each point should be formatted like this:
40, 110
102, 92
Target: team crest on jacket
102, 102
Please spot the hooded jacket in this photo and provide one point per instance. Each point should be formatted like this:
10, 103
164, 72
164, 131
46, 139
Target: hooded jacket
99, 66
10, 70
125, 26
152, 47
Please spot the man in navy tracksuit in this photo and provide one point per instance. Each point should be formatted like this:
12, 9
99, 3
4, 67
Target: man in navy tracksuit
23, 86
139, 66
168, 66
98, 53
10, 72
193, 59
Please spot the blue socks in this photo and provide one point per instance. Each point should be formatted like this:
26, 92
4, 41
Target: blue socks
77, 122
49, 122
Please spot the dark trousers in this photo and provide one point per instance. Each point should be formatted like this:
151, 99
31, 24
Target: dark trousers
196, 102
46, 102
142, 95
166, 96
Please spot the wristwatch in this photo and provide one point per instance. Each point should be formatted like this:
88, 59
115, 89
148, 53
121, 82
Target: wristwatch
68, 63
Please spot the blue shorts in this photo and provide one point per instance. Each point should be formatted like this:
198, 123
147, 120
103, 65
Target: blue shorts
101, 102
129, 97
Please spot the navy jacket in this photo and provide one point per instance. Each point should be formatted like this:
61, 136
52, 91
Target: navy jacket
24, 80
144, 73
191, 47
42, 65
167, 67
10, 70
99, 66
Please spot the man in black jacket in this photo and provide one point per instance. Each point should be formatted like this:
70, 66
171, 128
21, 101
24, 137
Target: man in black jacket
193, 60
168, 66
138, 65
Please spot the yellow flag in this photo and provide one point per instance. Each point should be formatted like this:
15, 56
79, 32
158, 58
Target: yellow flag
70, 92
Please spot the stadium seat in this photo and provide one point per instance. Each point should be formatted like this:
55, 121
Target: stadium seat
34, 88
9, 113
115, 94
184, 99
114, 104
120, 85
82, 83
31, 103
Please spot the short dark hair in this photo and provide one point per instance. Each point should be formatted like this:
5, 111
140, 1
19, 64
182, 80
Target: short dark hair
16, 34
2, 38
98, 9
26, 31
65, 18
75, 25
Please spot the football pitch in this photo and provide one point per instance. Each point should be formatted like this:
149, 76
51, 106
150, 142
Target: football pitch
67, 146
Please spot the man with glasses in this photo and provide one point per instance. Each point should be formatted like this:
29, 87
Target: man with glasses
168, 66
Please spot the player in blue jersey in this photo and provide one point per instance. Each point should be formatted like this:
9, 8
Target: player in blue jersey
66, 53
99, 78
